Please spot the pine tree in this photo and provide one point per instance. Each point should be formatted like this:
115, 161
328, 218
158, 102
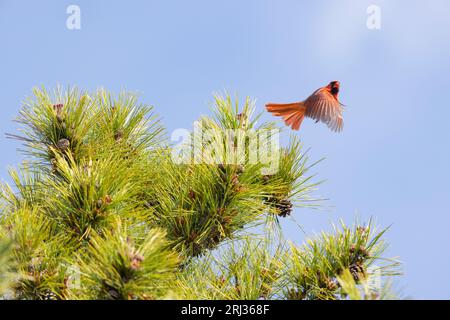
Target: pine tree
102, 209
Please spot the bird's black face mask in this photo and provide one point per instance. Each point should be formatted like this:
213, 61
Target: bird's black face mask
334, 87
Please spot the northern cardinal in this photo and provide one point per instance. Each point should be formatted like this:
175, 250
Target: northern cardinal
323, 105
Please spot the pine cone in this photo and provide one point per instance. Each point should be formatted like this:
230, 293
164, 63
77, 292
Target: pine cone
118, 135
364, 253
59, 111
357, 271
63, 144
331, 284
107, 199
266, 178
136, 261
114, 294
242, 118
360, 253
99, 203
235, 180
284, 207
58, 107
361, 230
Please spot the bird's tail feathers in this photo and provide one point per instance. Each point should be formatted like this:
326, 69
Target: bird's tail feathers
292, 113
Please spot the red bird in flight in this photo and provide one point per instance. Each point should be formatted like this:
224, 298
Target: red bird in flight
323, 105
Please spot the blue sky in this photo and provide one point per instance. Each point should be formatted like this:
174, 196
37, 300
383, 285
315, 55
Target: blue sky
392, 160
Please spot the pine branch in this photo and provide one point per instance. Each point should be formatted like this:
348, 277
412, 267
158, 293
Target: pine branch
118, 266
319, 269
245, 270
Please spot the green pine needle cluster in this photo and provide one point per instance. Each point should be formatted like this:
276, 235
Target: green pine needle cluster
318, 269
137, 269
102, 209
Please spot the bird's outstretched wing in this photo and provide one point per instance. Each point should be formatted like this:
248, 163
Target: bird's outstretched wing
323, 106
